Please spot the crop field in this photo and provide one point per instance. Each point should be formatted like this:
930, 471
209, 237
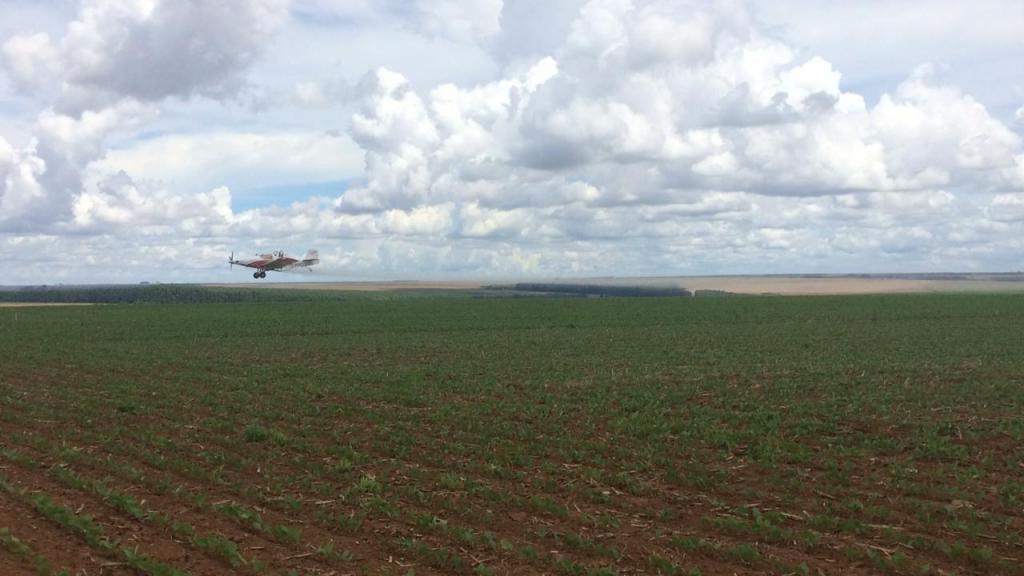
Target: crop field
433, 435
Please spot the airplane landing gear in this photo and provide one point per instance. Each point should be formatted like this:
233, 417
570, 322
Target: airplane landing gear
259, 274
255, 274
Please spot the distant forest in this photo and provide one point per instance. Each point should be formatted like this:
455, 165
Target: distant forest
160, 294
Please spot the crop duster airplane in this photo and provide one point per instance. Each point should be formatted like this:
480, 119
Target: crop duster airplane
276, 261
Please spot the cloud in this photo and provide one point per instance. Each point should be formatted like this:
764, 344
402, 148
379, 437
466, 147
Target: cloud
420, 153
1007, 208
43, 179
119, 202
22, 196
113, 65
32, 60
461, 20
239, 160
148, 50
532, 29
875, 42
964, 143
653, 117
687, 97
605, 136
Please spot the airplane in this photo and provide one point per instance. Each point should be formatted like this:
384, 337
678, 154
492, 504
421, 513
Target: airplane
276, 261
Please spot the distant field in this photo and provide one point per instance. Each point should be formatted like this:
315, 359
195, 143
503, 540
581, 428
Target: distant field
800, 435
23, 304
836, 285
794, 285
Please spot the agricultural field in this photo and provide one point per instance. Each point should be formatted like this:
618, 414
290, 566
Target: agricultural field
433, 435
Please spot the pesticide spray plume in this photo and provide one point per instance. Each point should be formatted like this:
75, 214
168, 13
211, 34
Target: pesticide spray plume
327, 271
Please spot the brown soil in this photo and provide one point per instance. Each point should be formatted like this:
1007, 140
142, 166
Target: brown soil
48, 540
640, 531
13, 566
370, 549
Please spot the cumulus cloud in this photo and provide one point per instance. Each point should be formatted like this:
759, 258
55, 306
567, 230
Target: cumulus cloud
241, 160
625, 136
43, 179
965, 144
22, 196
654, 103
115, 62
420, 153
148, 50
118, 201
32, 60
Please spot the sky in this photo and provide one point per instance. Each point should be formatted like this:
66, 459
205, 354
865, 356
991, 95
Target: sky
146, 140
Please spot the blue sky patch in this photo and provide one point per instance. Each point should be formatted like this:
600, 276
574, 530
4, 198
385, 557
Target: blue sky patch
264, 197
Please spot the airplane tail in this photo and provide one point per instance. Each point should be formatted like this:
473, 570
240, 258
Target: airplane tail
311, 257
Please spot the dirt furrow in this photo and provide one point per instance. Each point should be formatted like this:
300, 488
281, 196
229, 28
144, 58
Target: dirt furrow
61, 550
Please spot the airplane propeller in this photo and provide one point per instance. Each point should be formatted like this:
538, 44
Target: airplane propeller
231, 260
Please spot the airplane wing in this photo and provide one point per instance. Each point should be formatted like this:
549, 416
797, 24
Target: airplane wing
258, 263
280, 263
